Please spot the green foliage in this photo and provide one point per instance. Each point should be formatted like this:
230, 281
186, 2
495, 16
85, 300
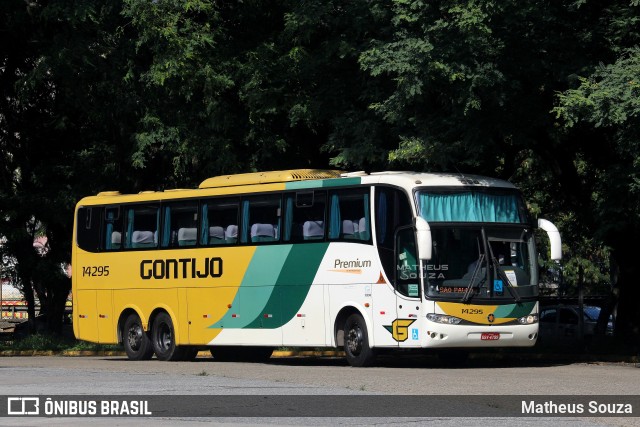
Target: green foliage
609, 97
609, 100
603, 111
441, 59
182, 75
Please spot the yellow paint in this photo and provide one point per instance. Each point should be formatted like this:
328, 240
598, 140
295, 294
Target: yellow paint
206, 306
472, 313
178, 194
103, 299
400, 329
106, 326
348, 271
255, 178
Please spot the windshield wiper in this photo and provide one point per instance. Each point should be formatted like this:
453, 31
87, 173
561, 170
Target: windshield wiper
505, 279
469, 292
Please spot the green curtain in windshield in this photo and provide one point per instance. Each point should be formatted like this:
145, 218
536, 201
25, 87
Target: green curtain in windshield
469, 207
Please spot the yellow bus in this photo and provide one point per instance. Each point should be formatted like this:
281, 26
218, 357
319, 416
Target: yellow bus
308, 258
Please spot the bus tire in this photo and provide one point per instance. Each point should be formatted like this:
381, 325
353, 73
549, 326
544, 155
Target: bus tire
136, 342
356, 342
164, 339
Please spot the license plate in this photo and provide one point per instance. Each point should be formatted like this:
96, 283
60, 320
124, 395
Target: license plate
490, 336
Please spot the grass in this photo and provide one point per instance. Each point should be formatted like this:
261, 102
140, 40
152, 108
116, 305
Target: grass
43, 342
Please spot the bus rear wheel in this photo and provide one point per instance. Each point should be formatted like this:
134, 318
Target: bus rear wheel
163, 339
356, 342
136, 342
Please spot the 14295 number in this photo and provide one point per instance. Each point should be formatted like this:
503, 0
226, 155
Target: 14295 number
95, 271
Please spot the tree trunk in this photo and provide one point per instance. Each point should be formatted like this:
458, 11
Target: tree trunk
58, 291
31, 306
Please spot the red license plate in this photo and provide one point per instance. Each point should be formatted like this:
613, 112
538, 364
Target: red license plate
490, 336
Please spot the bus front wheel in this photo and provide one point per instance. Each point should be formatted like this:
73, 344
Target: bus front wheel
136, 342
356, 342
163, 339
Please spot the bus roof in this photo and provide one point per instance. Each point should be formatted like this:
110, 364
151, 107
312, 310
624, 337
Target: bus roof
269, 177
423, 179
297, 179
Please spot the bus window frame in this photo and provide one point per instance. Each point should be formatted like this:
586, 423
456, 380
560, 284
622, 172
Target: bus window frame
298, 209
170, 205
244, 230
150, 204
121, 213
209, 201
366, 191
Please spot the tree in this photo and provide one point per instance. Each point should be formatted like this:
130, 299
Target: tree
470, 87
242, 86
607, 103
64, 117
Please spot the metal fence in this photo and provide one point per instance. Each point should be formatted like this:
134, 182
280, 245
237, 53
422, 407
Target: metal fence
12, 303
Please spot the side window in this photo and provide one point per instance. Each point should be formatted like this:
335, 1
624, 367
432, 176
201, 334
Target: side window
219, 221
179, 224
349, 217
260, 222
112, 239
142, 223
304, 216
392, 210
407, 281
88, 225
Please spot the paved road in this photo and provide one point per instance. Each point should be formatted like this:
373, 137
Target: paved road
317, 376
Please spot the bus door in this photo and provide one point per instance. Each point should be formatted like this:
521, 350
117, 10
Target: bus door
406, 327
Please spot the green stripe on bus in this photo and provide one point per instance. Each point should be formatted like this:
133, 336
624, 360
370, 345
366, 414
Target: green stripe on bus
513, 311
293, 285
257, 286
324, 183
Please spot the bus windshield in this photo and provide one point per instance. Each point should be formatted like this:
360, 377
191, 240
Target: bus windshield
472, 263
494, 205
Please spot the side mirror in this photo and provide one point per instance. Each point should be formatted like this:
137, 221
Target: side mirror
554, 238
423, 233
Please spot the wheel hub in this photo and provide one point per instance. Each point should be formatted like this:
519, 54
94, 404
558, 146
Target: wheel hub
164, 337
134, 337
354, 340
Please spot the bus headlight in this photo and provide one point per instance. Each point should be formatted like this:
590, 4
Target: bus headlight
528, 320
442, 318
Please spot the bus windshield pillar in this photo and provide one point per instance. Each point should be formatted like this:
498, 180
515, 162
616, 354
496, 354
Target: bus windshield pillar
423, 234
